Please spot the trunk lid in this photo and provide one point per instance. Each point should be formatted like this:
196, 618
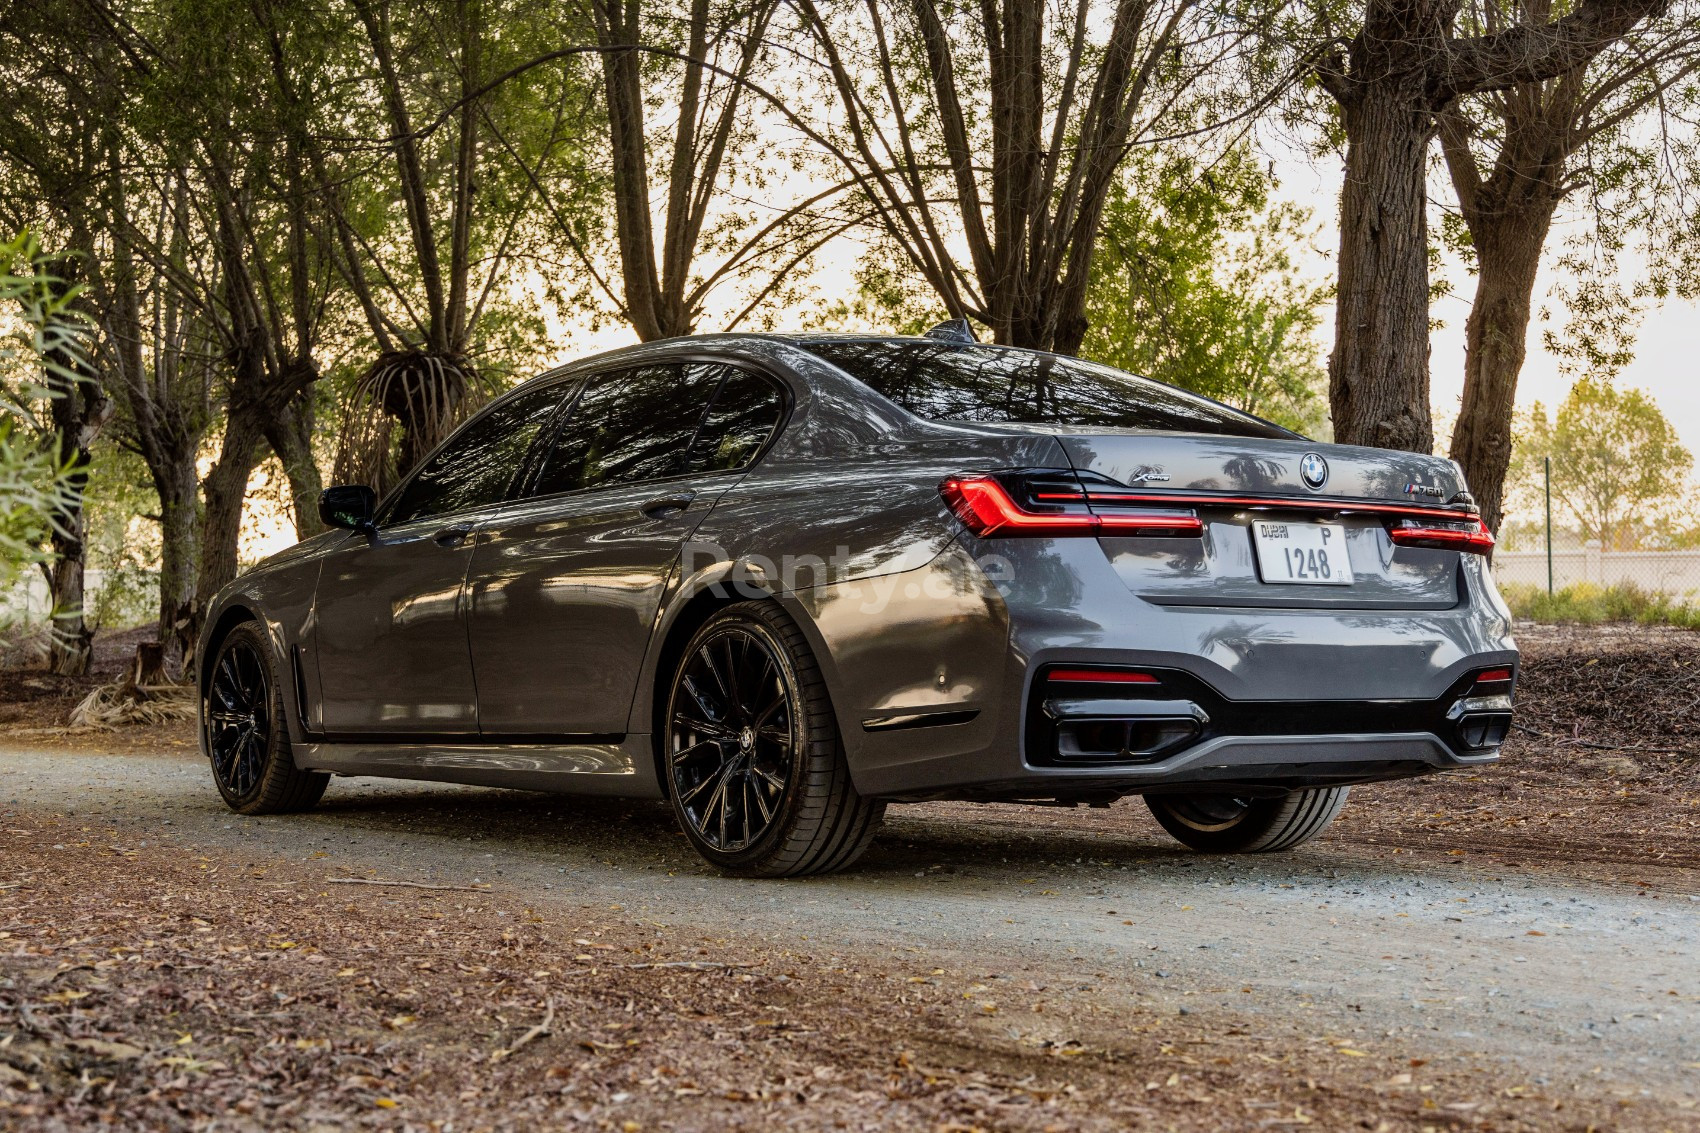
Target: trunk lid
1234, 482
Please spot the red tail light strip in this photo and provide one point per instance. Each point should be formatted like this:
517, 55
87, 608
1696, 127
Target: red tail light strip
1492, 676
1285, 503
986, 508
1100, 677
1476, 540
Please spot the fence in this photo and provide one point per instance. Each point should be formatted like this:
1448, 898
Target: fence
134, 596
1674, 573
1535, 551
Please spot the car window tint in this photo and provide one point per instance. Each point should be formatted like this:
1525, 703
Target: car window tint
951, 382
476, 465
741, 418
628, 426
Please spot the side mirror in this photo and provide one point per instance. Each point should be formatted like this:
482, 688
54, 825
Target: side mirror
348, 505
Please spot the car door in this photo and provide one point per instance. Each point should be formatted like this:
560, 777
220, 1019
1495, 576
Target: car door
390, 620
565, 585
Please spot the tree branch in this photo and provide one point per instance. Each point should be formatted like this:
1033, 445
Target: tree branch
1534, 53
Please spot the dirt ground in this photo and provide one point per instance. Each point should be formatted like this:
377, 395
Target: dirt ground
1512, 949
260, 996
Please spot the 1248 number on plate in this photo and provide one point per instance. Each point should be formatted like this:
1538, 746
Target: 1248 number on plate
1313, 553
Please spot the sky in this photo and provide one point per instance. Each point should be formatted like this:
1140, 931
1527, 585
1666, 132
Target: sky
1667, 347
1667, 350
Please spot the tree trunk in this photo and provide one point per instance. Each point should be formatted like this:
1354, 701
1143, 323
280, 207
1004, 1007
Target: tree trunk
1402, 69
1495, 344
179, 541
1378, 376
617, 26
79, 409
290, 435
223, 491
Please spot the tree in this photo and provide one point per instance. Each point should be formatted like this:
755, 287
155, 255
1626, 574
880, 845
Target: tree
1403, 68
1617, 464
1515, 156
41, 479
999, 131
463, 157
54, 194
662, 299
1195, 285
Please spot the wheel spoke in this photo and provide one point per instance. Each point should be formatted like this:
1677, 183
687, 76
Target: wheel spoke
718, 800
695, 792
762, 717
704, 701
754, 778
691, 723
708, 662
238, 719
685, 753
744, 798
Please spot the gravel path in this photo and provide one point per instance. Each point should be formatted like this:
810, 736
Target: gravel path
1529, 973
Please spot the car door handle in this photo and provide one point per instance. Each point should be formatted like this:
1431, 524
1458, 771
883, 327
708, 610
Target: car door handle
662, 505
453, 535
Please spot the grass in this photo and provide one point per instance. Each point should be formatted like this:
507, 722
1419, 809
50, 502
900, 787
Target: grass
1587, 604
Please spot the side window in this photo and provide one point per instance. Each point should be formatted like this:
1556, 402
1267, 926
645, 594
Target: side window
477, 463
628, 426
742, 418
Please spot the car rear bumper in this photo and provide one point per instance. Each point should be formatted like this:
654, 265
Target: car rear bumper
1254, 764
937, 694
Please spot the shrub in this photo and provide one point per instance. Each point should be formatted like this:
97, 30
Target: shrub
1587, 604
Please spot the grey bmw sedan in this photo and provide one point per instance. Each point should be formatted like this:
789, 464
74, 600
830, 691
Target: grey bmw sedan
785, 581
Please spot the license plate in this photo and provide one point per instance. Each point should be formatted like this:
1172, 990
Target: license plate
1311, 553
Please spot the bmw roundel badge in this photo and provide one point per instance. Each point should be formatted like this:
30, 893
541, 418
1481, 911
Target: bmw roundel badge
1314, 470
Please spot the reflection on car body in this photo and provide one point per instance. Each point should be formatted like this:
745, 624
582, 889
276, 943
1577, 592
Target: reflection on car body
785, 581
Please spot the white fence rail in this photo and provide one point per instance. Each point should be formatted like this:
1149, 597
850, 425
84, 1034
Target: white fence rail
27, 602
1676, 573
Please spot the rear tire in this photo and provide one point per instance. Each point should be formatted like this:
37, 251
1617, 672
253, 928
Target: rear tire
245, 733
1224, 824
751, 753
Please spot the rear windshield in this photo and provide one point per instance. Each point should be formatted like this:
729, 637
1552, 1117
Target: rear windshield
1000, 385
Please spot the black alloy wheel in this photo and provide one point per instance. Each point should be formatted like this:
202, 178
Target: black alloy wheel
733, 737
239, 703
752, 759
243, 732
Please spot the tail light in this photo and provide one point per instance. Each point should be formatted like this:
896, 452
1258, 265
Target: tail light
1099, 677
1491, 682
1469, 535
1052, 502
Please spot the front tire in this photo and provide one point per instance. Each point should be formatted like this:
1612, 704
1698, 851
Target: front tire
245, 733
1225, 824
752, 759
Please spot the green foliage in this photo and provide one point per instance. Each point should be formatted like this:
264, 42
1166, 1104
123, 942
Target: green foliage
1587, 604
1613, 150
121, 539
33, 478
1618, 469
1194, 284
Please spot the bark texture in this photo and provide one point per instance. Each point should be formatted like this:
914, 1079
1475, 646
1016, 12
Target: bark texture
1402, 70
1509, 213
290, 435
